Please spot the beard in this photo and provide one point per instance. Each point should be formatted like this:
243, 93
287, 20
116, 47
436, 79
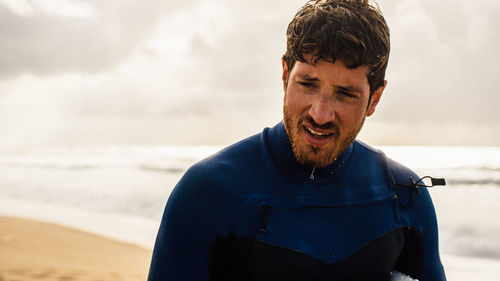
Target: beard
313, 156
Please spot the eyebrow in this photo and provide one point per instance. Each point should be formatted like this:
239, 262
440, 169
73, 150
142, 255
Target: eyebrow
307, 77
310, 78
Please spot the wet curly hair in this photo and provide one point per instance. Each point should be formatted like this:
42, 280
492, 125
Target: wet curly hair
349, 30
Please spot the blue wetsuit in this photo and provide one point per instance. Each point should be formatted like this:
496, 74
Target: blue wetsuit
252, 212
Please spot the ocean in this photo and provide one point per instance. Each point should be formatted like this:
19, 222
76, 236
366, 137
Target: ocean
120, 192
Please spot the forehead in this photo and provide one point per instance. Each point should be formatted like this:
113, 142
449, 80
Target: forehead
336, 73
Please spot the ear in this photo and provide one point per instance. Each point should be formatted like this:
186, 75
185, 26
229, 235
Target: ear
284, 76
375, 99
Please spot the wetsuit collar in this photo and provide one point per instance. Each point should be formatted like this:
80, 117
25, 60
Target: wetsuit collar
283, 156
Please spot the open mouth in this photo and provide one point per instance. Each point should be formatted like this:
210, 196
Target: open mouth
317, 134
317, 138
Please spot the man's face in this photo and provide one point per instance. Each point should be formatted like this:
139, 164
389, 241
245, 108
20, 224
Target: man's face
325, 106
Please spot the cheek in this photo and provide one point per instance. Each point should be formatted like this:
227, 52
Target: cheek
350, 116
297, 103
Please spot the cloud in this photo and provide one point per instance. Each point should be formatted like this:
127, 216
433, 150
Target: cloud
210, 71
56, 7
442, 64
87, 37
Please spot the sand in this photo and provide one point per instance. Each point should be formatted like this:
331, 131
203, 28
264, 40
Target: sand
33, 250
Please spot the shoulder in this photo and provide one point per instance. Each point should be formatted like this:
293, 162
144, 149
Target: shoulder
414, 198
233, 157
375, 159
223, 170
400, 172
366, 148
369, 154
413, 208
399, 176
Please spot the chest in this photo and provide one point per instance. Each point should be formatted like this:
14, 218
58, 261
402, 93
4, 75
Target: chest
328, 233
283, 241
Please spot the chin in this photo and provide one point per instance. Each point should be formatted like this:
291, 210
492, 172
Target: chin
316, 157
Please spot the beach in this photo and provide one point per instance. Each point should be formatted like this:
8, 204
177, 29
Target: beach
32, 250
92, 213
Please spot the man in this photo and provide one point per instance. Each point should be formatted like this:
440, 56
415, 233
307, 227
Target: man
304, 200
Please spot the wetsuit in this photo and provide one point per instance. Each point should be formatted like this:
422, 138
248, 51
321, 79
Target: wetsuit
252, 212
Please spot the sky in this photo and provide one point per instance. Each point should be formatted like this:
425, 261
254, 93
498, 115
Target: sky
121, 72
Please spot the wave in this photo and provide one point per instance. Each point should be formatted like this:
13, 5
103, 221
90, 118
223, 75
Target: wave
171, 159
162, 169
475, 182
61, 166
491, 169
478, 168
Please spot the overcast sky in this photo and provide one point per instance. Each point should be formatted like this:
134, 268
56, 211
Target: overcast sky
209, 71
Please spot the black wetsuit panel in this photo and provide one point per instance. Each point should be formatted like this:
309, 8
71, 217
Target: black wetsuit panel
248, 259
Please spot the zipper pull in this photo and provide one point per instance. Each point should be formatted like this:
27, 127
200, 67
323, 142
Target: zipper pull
312, 174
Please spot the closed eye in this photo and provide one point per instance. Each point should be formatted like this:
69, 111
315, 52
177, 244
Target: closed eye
347, 94
307, 84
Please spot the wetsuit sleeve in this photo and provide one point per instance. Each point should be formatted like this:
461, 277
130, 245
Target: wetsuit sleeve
420, 258
187, 230
420, 255
432, 268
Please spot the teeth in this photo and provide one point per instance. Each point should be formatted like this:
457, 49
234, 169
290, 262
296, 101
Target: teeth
317, 133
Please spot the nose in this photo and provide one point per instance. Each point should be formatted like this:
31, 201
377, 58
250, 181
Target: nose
322, 109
